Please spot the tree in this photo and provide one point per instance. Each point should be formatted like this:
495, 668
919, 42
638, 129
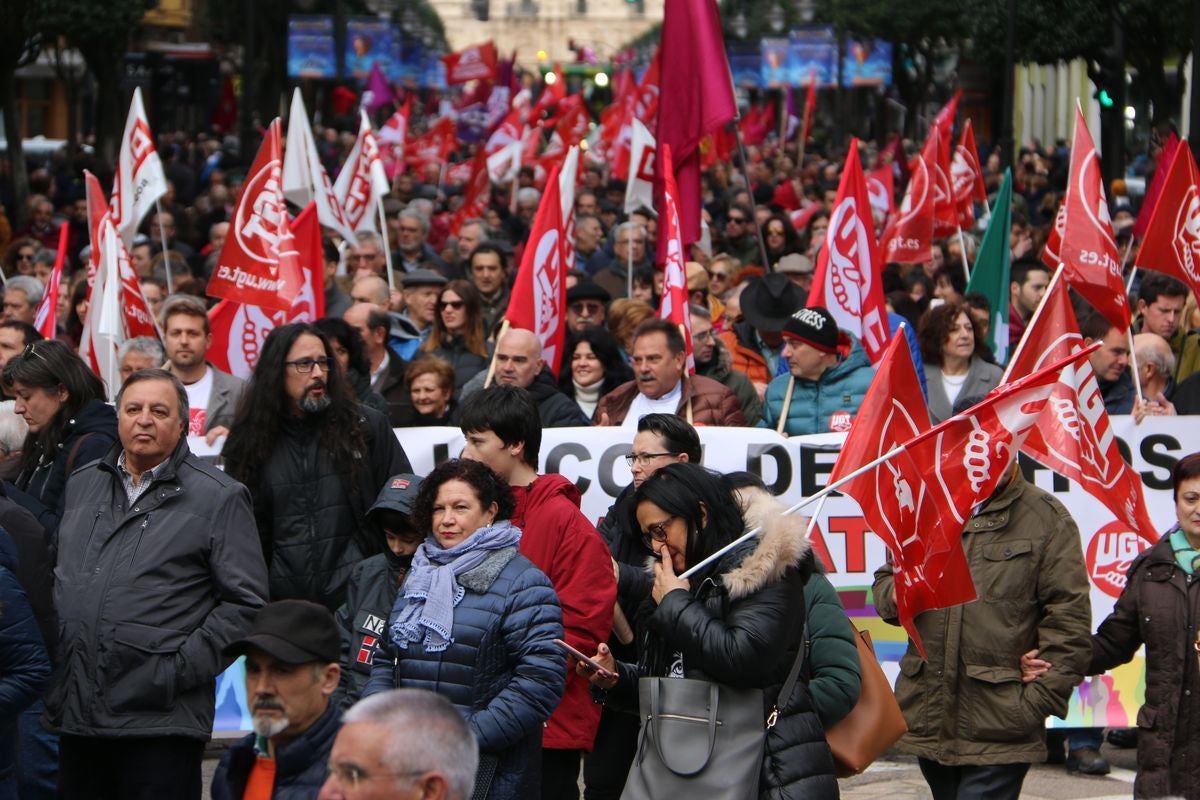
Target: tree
101, 32
18, 47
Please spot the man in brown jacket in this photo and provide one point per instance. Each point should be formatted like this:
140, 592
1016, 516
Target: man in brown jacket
662, 385
973, 723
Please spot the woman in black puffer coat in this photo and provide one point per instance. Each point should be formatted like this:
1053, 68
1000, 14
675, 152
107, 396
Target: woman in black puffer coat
738, 622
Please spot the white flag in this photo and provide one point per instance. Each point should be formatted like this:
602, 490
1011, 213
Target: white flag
504, 164
639, 189
566, 192
304, 177
362, 183
140, 180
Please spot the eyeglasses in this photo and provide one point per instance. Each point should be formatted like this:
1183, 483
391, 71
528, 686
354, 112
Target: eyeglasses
24, 256
452, 304
658, 531
736, 220
705, 336
305, 365
586, 309
719, 276
351, 775
644, 458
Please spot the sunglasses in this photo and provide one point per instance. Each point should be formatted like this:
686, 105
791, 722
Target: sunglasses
737, 220
720, 276
586, 308
775, 231
456, 305
30, 351
25, 257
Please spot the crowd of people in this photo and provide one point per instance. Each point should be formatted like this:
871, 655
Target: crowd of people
399, 630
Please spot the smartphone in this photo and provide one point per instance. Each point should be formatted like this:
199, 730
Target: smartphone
592, 664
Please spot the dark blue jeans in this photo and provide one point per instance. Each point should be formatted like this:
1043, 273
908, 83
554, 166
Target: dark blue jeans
37, 756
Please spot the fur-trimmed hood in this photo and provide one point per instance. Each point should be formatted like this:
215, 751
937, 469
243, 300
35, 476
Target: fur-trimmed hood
781, 544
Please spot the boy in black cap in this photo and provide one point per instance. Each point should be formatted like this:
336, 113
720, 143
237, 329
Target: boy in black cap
828, 376
371, 589
291, 655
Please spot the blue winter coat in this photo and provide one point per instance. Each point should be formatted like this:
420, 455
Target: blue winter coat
501, 670
24, 665
301, 764
841, 388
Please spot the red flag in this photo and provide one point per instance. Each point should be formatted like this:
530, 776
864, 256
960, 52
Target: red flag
881, 186
1150, 201
392, 137
477, 62
1050, 253
810, 105
433, 146
674, 304
945, 118
922, 535
937, 160
966, 177
1074, 436
694, 74
475, 194
539, 295
553, 92
136, 319
1172, 242
238, 330
909, 237
1089, 254
259, 264
46, 320
848, 278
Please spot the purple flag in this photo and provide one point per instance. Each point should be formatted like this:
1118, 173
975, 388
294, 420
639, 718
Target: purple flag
378, 92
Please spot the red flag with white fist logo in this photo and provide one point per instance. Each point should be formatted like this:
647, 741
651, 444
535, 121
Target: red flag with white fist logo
259, 264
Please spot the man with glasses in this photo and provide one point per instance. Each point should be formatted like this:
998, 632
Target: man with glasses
314, 460
611, 271
661, 439
406, 743
740, 238
366, 256
292, 671
714, 361
586, 304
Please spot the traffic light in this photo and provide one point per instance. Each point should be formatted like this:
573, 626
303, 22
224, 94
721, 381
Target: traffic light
1104, 98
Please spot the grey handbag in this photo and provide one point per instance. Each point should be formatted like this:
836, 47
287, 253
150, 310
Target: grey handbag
701, 737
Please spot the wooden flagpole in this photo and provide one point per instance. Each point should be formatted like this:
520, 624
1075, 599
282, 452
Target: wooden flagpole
162, 236
962, 245
787, 405
387, 248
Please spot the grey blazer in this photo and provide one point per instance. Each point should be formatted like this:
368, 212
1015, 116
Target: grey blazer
222, 403
982, 377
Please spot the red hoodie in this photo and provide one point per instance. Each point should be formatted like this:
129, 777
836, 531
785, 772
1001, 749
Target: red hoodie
558, 538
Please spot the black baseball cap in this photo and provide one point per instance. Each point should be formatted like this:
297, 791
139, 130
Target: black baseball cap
398, 494
294, 632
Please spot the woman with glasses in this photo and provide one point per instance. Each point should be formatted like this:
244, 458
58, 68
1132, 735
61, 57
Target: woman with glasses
457, 336
723, 272
70, 422
475, 622
738, 621
19, 256
597, 367
780, 237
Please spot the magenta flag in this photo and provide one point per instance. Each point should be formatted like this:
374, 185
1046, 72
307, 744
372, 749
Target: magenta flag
696, 95
379, 91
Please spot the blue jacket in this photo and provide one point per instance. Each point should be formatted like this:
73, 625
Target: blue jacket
301, 765
24, 665
841, 388
501, 670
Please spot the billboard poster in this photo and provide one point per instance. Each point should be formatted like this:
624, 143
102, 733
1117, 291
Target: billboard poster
370, 40
867, 63
311, 52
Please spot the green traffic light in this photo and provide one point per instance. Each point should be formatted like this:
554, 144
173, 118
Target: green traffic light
1104, 98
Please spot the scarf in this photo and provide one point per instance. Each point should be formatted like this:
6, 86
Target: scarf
425, 606
1186, 556
587, 397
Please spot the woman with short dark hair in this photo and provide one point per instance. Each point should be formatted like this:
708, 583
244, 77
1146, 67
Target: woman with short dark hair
475, 622
70, 422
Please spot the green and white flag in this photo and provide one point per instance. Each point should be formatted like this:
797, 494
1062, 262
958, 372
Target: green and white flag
990, 275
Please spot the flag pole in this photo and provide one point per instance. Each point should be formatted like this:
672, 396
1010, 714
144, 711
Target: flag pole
491, 373
804, 126
784, 96
1012, 358
387, 248
1133, 366
812, 521
629, 264
762, 243
787, 405
683, 333
962, 245
828, 490
162, 235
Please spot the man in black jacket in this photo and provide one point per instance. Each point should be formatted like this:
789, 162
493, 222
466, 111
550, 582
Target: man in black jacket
158, 569
291, 673
519, 363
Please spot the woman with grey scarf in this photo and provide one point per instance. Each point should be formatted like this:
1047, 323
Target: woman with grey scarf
475, 621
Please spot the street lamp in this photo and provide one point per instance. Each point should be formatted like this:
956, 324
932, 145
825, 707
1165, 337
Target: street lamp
739, 25
806, 10
775, 17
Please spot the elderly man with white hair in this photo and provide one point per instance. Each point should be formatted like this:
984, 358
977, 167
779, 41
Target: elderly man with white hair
22, 294
1156, 370
406, 743
412, 251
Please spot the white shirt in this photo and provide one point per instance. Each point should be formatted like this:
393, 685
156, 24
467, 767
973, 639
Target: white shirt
642, 405
952, 385
377, 374
198, 394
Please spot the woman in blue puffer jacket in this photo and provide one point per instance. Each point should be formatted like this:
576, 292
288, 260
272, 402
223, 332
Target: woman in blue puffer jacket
475, 622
